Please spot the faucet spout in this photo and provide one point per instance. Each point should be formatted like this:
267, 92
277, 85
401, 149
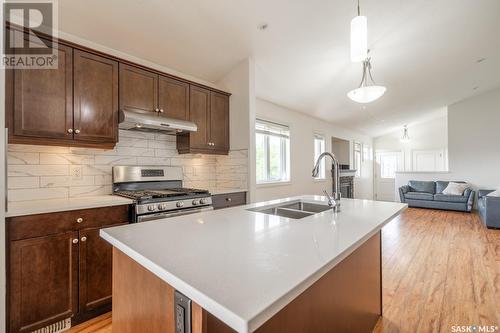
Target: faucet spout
335, 176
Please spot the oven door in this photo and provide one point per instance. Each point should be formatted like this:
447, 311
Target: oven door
164, 215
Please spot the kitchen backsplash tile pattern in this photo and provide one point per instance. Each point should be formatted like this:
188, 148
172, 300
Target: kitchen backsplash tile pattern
46, 172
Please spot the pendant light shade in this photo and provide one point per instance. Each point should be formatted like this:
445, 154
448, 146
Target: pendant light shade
359, 39
367, 91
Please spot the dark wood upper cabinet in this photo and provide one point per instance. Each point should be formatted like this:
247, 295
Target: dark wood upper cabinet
209, 110
95, 278
219, 121
40, 101
43, 281
138, 89
95, 98
173, 98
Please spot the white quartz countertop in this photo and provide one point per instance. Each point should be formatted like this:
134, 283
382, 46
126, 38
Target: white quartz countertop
22, 208
244, 266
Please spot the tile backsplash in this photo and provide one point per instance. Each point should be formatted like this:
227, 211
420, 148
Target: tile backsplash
47, 172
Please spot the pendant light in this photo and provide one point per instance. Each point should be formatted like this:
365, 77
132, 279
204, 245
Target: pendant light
367, 91
406, 136
359, 38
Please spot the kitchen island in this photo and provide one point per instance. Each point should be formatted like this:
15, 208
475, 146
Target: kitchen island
250, 268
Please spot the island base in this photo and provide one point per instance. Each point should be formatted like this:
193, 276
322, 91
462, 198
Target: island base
348, 298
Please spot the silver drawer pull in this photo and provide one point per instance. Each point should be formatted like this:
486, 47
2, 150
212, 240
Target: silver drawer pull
79, 220
77, 131
83, 239
229, 199
75, 240
70, 130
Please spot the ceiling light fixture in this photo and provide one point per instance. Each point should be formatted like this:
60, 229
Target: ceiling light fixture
366, 92
359, 38
406, 137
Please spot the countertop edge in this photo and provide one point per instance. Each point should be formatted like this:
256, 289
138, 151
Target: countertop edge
228, 317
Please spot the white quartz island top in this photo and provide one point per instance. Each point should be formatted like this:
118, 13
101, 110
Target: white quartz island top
32, 207
244, 266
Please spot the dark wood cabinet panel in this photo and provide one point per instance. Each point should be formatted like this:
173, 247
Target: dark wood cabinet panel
40, 101
95, 98
226, 200
173, 98
199, 104
95, 276
219, 121
138, 89
43, 281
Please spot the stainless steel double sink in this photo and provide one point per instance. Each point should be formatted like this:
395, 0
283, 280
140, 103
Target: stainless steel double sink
294, 210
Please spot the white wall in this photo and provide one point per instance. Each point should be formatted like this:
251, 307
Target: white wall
474, 140
428, 135
302, 130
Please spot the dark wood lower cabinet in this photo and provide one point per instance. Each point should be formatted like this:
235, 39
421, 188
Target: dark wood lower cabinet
43, 281
65, 272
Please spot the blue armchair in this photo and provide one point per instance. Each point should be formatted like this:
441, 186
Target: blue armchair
489, 209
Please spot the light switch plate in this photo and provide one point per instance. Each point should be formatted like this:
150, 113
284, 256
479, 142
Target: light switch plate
182, 315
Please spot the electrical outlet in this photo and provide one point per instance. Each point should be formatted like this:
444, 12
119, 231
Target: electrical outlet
76, 172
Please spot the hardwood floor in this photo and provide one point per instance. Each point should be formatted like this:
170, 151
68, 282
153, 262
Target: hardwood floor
439, 269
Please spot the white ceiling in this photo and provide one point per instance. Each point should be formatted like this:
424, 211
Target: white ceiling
424, 51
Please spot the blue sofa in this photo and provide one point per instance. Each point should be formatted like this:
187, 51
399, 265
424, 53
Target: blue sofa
429, 194
489, 209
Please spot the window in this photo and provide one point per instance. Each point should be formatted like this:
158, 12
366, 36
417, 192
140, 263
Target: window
272, 150
357, 158
389, 163
319, 148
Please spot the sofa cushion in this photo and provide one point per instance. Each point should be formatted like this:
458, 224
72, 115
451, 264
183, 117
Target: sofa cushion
422, 186
450, 198
419, 196
455, 188
441, 185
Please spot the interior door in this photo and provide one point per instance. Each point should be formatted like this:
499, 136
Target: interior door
95, 98
96, 262
43, 277
199, 104
138, 89
43, 99
387, 164
173, 98
219, 121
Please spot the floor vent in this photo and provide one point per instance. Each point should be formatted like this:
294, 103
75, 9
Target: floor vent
60, 326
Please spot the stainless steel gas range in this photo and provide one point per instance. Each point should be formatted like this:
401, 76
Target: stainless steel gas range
158, 192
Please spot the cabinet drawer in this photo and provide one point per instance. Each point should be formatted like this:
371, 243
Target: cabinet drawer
31, 226
229, 200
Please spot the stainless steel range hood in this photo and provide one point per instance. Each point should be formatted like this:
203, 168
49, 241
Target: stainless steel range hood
132, 120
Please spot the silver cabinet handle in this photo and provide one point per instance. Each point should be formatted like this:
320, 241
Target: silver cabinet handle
157, 110
77, 131
161, 111
75, 240
70, 130
229, 199
83, 239
79, 220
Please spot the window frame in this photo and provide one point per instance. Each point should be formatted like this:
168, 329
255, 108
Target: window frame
322, 170
357, 148
284, 153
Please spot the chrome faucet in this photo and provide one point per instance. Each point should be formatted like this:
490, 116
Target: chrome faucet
333, 201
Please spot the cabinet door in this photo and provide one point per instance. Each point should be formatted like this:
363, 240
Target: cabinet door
43, 281
219, 121
96, 98
199, 104
138, 89
173, 98
41, 101
96, 261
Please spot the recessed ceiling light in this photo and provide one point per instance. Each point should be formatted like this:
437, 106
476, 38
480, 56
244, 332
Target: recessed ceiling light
480, 60
263, 26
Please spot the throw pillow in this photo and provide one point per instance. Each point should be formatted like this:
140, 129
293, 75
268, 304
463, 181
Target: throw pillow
494, 194
455, 188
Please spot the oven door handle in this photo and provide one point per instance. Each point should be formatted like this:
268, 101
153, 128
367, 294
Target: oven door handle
157, 216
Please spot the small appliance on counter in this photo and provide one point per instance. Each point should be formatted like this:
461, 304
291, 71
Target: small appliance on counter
158, 192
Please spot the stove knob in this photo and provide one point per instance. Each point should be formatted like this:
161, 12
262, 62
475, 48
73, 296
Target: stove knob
162, 206
196, 202
151, 208
180, 204
203, 201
